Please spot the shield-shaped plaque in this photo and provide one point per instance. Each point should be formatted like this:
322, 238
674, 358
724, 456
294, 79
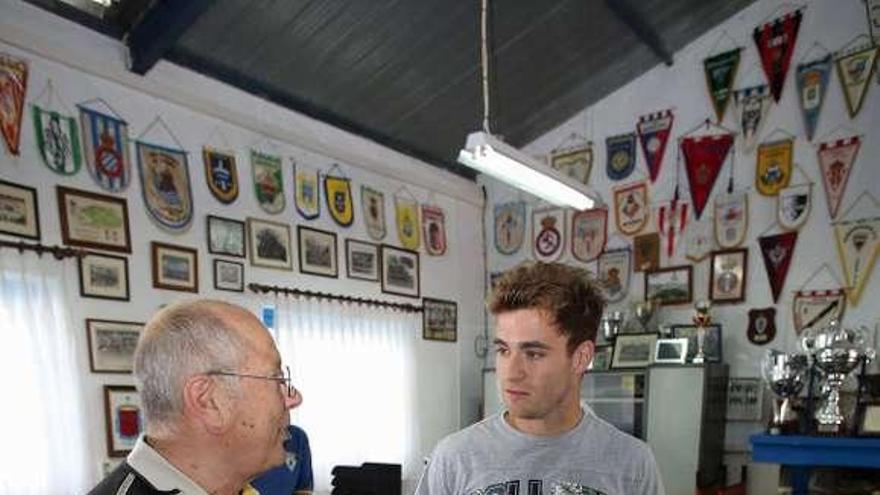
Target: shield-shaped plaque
774, 167
631, 207
57, 141
373, 203
165, 185
221, 174
306, 191
731, 219
548, 233
793, 205
589, 232
621, 156
337, 192
406, 212
614, 273
434, 227
699, 239
576, 163
105, 138
858, 243
762, 325
268, 184
510, 226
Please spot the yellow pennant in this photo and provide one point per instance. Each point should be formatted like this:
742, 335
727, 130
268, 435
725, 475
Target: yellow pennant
407, 214
337, 190
774, 166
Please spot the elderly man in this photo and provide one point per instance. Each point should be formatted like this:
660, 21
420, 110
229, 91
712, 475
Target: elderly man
215, 402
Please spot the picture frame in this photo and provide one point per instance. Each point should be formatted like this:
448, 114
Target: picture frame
671, 351
226, 236
93, 220
602, 357
362, 260
103, 276
634, 350
123, 417
317, 252
711, 341
729, 273
19, 210
669, 286
646, 252
869, 419
439, 320
228, 275
400, 271
112, 344
269, 244
175, 267
745, 398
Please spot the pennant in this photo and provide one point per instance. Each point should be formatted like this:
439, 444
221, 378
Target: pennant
548, 231
752, 106
621, 156
873, 7
337, 193
671, 222
703, 158
775, 42
816, 308
773, 170
575, 163
221, 174
510, 226
731, 219
57, 141
589, 233
105, 140
306, 191
793, 205
631, 207
13, 85
653, 133
647, 252
762, 325
614, 273
836, 161
406, 212
858, 242
777, 251
720, 72
855, 70
373, 204
165, 185
812, 81
699, 241
434, 230
268, 184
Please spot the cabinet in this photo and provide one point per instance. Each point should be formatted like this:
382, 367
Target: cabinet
618, 397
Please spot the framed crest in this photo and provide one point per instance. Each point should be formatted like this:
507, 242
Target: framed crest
124, 418
228, 275
226, 236
175, 267
19, 211
362, 260
400, 271
112, 344
221, 174
103, 276
727, 283
317, 252
439, 320
669, 286
93, 220
269, 244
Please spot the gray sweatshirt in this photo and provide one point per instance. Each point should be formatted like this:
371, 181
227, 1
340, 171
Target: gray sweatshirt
492, 458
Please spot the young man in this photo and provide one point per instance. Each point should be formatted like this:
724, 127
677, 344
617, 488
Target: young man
546, 442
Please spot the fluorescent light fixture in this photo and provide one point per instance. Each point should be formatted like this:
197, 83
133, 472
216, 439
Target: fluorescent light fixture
491, 156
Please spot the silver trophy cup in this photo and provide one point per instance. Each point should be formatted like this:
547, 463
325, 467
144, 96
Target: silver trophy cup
644, 312
785, 374
611, 325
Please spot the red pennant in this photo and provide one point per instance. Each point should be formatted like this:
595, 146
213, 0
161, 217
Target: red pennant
703, 158
671, 222
653, 134
775, 41
777, 251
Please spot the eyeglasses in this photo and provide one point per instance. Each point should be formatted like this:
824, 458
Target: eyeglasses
283, 379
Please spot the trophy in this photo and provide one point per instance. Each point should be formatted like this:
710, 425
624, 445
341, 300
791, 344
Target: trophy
611, 325
701, 319
785, 375
644, 312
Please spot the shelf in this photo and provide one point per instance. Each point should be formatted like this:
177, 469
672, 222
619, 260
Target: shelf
798, 450
611, 400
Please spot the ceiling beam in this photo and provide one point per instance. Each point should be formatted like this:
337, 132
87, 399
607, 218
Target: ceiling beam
640, 27
159, 29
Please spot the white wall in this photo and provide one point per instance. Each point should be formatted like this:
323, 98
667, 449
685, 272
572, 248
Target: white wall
682, 87
84, 65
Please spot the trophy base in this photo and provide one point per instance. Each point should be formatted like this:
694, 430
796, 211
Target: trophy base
831, 430
789, 427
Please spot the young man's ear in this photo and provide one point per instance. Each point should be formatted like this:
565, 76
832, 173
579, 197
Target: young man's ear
583, 356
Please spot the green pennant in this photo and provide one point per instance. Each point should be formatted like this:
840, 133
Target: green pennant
720, 75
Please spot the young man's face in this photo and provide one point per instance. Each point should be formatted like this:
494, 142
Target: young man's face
537, 377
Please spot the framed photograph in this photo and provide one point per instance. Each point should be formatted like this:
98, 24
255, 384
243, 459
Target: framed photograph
727, 283
124, 418
711, 341
646, 250
602, 357
362, 260
671, 351
673, 285
228, 275
93, 220
317, 252
19, 211
175, 267
439, 320
400, 271
103, 276
226, 236
744, 399
869, 419
111, 344
269, 244
634, 350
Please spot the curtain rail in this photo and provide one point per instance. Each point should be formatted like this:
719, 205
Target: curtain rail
59, 252
292, 291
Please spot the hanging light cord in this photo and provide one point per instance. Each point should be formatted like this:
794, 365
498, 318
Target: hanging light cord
485, 65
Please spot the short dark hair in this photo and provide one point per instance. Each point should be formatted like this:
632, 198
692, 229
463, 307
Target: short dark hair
567, 294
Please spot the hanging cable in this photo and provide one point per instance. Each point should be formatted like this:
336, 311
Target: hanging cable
484, 62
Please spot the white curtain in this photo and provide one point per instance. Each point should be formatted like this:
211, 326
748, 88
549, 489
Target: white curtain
42, 426
355, 367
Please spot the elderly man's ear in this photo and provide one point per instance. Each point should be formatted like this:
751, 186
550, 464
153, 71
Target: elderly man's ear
206, 404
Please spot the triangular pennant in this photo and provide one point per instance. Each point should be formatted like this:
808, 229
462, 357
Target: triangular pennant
589, 233
57, 141
268, 184
720, 72
337, 193
703, 157
165, 185
631, 207
105, 140
373, 204
774, 166
873, 10
614, 273
620, 152
816, 308
762, 325
434, 230
406, 214
699, 241
812, 81
13, 85
777, 250
752, 105
793, 205
836, 161
576, 163
855, 70
672, 217
653, 133
221, 174
858, 242
510, 226
548, 233
731, 219
306, 191
775, 41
